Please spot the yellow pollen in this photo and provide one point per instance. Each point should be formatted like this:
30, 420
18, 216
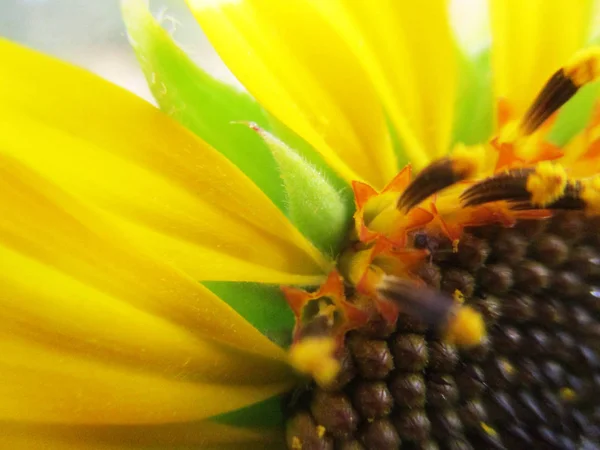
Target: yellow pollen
567, 394
488, 430
584, 67
321, 431
328, 310
591, 195
455, 243
508, 367
296, 443
467, 161
547, 183
314, 356
353, 264
466, 328
458, 296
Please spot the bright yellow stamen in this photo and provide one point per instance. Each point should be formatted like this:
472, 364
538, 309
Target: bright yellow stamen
567, 394
488, 430
296, 443
458, 296
584, 67
467, 161
314, 356
547, 183
466, 328
328, 310
321, 430
508, 367
591, 195
353, 264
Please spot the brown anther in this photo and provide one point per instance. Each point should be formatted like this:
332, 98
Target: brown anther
509, 247
490, 308
537, 342
350, 445
408, 389
427, 304
500, 373
445, 423
496, 278
470, 381
550, 250
518, 307
373, 357
334, 411
430, 274
346, 373
456, 279
443, 357
567, 284
472, 252
510, 185
435, 177
557, 91
372, 399
301, 433
531, 277
410, 351
381, 435
442, 391
508, 339
412, 425
472, 413
585, 261
569, 225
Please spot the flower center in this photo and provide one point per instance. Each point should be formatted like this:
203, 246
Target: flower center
386, 266
463, 311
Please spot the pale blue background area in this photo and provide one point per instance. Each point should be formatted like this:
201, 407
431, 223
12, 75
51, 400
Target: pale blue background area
91, 34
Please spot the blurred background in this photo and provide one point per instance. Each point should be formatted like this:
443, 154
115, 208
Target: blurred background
91, 34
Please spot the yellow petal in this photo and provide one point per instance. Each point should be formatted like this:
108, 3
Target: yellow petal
39, 384
408, 50
298, 67
177, 194
62, 312
187, 436
95, 330
175, 436
530, 41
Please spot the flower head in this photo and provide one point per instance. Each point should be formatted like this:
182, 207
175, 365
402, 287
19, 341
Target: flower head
433, 280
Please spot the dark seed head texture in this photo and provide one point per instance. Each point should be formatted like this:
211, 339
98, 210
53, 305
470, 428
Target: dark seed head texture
534, 383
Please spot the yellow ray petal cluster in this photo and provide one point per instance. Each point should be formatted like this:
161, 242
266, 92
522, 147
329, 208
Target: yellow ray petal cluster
299, 68
96, 330
111, 213
175, 194
532, 39
408, 50
207, 435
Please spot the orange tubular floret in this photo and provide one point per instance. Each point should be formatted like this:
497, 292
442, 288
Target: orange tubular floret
527, 178
339, 314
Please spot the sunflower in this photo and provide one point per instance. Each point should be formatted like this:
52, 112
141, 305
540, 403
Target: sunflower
372, 258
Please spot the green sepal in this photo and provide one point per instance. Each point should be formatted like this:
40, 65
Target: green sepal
263, 305
315, 205
474, 122
311, 155
266, 414
203, 104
